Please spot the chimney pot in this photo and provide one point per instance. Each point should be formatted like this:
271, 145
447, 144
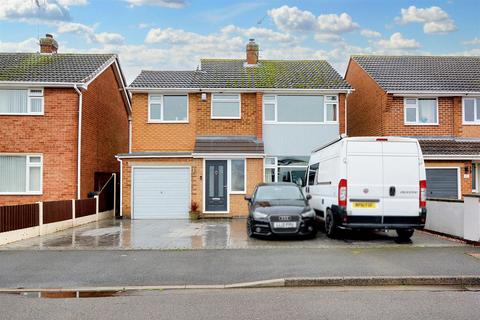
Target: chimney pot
48, 44
252, 52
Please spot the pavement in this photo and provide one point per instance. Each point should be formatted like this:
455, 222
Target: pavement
204, 234
218, 252
279, 304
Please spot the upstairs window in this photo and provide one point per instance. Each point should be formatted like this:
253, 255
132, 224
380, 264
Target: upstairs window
21, 101
297, 109
422, 111
471, 110
226, 106
168, 108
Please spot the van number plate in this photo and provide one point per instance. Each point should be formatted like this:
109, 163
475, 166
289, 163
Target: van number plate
364, 205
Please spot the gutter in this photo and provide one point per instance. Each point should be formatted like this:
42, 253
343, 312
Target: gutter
264, 90
34, 84
79, 140
451, 157
432, 93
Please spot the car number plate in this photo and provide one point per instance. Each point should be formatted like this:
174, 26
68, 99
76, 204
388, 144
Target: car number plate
364, 205
285, 224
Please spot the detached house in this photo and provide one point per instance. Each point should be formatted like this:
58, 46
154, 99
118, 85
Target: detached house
432, 98
63, 118
210, 135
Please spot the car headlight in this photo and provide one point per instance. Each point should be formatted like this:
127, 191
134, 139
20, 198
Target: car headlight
259, 215
309, 214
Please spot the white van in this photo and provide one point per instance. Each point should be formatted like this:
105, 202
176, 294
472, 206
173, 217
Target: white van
368, 182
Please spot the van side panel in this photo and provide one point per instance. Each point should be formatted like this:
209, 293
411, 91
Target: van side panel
364, 178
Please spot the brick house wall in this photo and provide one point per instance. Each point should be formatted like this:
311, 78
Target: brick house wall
104, 129
55, 136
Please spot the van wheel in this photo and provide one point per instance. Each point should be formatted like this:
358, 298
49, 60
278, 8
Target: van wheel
405, 234
330, 226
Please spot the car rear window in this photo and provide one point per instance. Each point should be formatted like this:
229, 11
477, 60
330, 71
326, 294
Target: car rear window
266, 193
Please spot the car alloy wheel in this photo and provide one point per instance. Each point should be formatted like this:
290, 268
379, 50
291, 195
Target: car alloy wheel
249, 229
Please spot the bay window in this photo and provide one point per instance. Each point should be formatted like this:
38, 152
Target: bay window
21, 101
471, 110
21, 174
226, 106
168, 108
421, 111
300, 109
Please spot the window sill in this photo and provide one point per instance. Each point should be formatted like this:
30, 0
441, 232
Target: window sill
226, 118
238, 192
22, 114
421, 124
174, 122
470, 123
302, 123
21, 193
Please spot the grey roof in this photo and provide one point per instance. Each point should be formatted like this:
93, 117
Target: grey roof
61, 67
234, 73
423, 73
450, 147
228, 144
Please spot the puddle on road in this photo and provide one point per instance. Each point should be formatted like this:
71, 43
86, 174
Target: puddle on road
71, 294
101, 232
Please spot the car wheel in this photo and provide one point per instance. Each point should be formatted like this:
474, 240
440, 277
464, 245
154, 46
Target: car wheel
312, 234
249, 229
405, 234
330, 227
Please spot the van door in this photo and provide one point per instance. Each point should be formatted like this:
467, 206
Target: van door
401, 170
364, 178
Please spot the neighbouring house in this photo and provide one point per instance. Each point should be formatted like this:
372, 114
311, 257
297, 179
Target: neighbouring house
63, 118
210, 135
435, 99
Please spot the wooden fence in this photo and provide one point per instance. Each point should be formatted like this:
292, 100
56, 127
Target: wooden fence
55, 211
19, 217
85, 207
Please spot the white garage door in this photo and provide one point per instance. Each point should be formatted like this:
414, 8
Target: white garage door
161, 193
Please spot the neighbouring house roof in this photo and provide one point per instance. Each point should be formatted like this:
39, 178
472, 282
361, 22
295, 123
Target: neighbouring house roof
228, 144
58, 67
423, 73
235, 74
450, 147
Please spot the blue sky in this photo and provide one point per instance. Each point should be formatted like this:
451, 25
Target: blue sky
175, 34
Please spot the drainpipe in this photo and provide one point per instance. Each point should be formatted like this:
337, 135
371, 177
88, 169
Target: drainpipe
79, 146
121, 187
129, 134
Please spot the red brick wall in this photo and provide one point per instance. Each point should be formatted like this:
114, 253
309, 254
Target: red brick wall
365, 105
104, 128
55, 136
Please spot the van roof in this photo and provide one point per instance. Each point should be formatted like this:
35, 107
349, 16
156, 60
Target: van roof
366, 139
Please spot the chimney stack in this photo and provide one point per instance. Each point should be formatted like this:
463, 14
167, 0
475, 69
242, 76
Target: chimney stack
252, 52
48, 44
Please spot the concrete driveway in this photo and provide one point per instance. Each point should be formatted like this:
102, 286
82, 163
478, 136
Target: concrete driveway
203, 234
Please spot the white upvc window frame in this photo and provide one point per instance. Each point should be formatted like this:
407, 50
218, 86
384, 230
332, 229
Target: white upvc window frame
325, 104
231, 191
28, 165
213, 99
273, 166
476, 106
31, 95
152, 96
416, 107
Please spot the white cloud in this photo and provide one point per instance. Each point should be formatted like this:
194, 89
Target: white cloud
326, 27
473, 42
260, 34
175, 4
434, 19
32, 11
28, 45
89, 33
397, 41
367, 33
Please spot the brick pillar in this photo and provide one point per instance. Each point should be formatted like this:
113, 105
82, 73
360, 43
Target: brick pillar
341, 113
457, 116
259, 115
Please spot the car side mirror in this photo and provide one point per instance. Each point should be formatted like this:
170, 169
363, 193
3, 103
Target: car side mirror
309, 196
248, 198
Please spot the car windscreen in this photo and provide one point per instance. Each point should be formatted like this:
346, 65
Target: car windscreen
268, 193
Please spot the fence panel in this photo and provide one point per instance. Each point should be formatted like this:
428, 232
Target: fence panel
85, 207
54, 211
18, 217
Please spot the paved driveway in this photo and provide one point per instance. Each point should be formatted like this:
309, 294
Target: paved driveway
203, 234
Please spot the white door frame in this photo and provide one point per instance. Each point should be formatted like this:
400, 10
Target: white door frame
155, 166
204, 191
